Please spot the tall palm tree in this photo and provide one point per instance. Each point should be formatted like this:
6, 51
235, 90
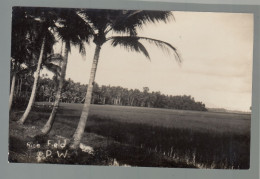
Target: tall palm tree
22, 43
72, 30
125, 23
42, 22
13, 74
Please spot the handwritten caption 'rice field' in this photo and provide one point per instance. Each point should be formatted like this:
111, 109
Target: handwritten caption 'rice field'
54, 149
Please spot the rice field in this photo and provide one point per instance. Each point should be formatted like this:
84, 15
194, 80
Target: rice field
180, 138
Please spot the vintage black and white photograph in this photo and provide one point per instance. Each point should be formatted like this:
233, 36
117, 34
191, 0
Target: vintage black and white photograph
130, 88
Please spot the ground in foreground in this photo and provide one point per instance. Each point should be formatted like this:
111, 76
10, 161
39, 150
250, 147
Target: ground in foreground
129, 136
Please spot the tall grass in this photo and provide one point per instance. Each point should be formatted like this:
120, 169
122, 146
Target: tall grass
181, 139
202, 149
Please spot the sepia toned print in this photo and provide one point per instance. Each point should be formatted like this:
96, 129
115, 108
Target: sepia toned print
130, 88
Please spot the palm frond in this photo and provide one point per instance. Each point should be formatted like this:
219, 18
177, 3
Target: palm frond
82, 49
133, 42
69, 19
56, 57
165, 46
129, 43
129, 21
56, 69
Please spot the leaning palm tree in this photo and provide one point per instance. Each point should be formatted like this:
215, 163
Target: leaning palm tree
125, 23
22, 44
13, 79
42, 22
72, 30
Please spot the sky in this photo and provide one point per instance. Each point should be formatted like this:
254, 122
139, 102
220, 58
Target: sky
216, 68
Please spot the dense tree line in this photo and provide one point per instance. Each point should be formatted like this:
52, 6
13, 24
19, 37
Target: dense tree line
115, 95
73, 92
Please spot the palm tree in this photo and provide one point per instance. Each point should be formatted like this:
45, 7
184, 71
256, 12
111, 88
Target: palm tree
13, 74
125, 23
72, 30
43, 21
22, 43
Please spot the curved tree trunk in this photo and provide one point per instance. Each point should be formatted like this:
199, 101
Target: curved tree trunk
12, 91
17, 89
85, 111
33, 94
20, 87
47, 127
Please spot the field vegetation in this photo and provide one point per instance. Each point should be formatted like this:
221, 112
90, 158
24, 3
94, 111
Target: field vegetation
139, 136
129, 127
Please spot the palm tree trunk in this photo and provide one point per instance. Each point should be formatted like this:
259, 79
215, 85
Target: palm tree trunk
12, 91
20, 88
33, 94
85, 111
17, 87
47, 127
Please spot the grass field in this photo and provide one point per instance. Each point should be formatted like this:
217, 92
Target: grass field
147, 136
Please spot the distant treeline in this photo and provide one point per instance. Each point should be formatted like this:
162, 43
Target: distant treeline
73, 92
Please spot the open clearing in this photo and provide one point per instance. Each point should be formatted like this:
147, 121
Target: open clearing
148, 136
195, 120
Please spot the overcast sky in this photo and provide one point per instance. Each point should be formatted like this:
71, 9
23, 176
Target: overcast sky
216, 49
